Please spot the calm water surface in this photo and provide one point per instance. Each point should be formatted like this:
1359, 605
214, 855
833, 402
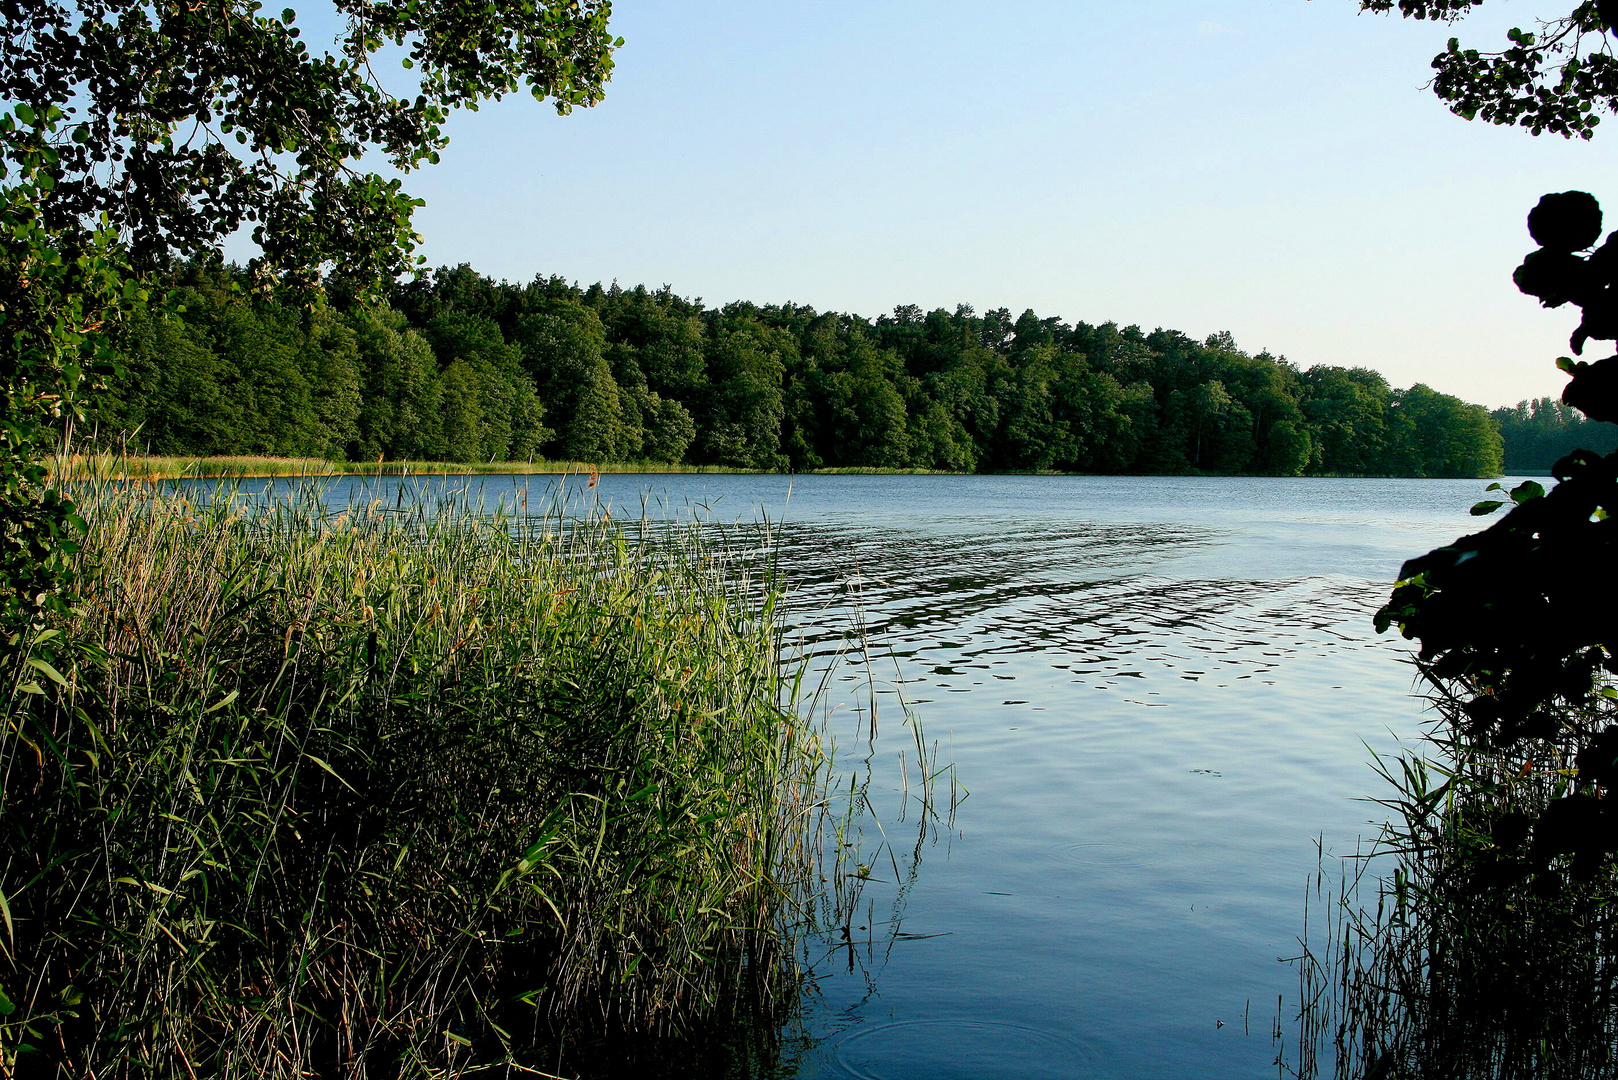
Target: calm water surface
1159, 691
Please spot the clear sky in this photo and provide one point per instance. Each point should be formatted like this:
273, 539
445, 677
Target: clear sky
1270, 167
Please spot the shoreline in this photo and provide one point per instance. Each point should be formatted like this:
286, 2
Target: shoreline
111, 467
108, 467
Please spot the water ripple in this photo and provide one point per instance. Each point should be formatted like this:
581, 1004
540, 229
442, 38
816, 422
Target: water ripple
968, 1049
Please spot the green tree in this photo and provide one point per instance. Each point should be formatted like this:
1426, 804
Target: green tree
261, 354
1032, 437
1347, 410
400, 406
461, 402
1211, 409
669, 431
506, 417
165, 128
1287, 449
942, 390
173, 398
1434, 434
227, 372
331, 359
1539, 433
744, 406
938, 441
1514, 634
964, 385
564, 349
57, 298
596, 430
664, 338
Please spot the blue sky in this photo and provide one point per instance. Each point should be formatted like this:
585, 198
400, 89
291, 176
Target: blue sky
1270, 167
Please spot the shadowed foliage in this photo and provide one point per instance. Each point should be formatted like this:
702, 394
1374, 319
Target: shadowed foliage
1492, 950
1556, 78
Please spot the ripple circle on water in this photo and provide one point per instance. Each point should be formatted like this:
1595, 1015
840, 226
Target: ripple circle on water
964, 1050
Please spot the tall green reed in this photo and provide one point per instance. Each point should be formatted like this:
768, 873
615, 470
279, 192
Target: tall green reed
1437, 953
401, 790
112, 465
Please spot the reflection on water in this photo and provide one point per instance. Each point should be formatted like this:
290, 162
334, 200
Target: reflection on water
1160, 693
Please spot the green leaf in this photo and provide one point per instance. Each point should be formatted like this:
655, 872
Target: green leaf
1528, 489
1486, 507
331, 770
1567, 364
6, 1005
24, 113
45, 669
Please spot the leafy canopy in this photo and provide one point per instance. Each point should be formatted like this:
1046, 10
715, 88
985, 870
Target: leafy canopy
1556, 78
180, 123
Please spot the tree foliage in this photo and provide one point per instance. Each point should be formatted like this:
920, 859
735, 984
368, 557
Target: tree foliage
1555, 78
183, 123
465, 368
1539, 433
1515, 622
57, 303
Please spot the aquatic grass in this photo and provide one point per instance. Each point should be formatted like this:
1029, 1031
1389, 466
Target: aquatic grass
107, 465
116, 466
401, 790
1441, 954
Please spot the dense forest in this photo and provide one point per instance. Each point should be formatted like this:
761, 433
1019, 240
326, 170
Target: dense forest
459, 367
1536, 433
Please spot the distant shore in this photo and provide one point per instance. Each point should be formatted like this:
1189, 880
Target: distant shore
109, 466
117, 467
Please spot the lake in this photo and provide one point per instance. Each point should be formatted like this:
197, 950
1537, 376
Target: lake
1161, 693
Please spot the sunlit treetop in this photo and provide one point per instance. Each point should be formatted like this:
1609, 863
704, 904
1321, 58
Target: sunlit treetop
1555, 78
183, 122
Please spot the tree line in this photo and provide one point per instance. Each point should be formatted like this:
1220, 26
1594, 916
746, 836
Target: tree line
1539, 433
458, 367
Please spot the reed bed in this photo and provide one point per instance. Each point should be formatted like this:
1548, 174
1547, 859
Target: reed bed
117, 466
401, 791
1433, 955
